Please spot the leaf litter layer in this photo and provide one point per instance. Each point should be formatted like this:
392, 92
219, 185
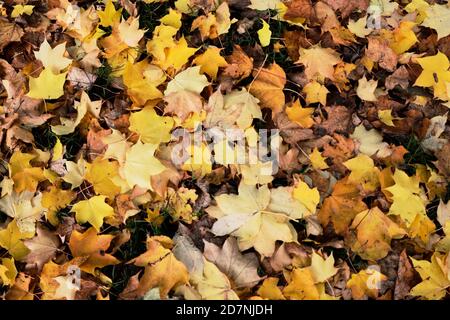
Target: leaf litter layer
122, 130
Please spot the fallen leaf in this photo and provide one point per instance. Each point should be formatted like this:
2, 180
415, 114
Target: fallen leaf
374, 231
241, 269
341, 207
318, 62
93, 210
264, 34
268, 87
91, 246
43, 247
162, 269
47, 85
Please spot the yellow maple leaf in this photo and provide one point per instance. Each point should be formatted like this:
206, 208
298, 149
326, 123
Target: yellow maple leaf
374, 231
407, 202
117, 51
268, 87
210, 61
8, 272
101, 173
178, 55
342, 206
422, 227
302, 286
435, 74
54, 200
187, 80
28, 179
317, 160
25, 207
173, 19
162, 40
299, 115
309, 197
162, 268
142, 80
92, 246
140, 164
264, 34
214, 284
322, 269
386, 117
53, 58
151, 127
238, 105
403, 37
109, 16
47, 85
24, 175
11, 238
270, 290
257, 217
20, 9
316, 92
435, 281
363, 172
93, 210
319, 62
